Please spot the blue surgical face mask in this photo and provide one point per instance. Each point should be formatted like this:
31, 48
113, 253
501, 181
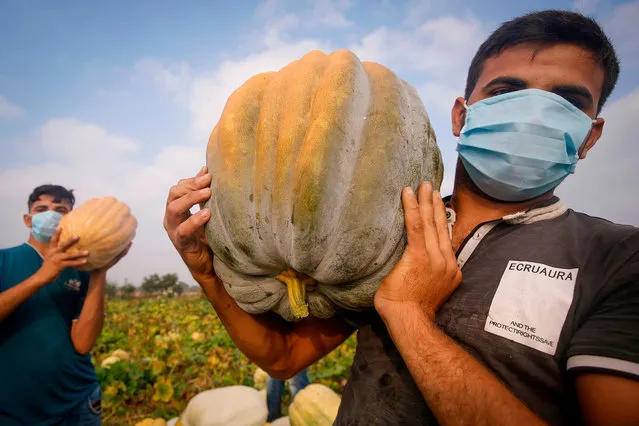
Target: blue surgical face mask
43, 225
522, 144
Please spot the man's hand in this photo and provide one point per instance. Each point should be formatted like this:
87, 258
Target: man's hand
186, 231
427, 273
56, 258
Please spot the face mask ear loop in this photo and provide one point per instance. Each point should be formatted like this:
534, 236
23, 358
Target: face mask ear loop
450, 221
583, 143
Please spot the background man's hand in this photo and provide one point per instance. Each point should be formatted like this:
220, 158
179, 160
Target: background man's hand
185, 230
56, 258
427, 273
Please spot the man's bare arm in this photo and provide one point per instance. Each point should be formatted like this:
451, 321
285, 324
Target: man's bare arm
55, 260
279, 347
456, 387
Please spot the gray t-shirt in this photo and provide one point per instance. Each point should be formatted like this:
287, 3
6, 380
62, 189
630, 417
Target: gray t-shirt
545, 293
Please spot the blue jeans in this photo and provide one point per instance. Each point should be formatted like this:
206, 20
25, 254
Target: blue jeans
88, 412
275, 389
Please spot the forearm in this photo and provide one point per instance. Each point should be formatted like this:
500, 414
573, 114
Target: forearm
87, 328
279, 347
456, 387
17, 295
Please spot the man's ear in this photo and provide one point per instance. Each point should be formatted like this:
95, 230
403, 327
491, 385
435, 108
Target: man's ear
458, 115
27, 220
592, 138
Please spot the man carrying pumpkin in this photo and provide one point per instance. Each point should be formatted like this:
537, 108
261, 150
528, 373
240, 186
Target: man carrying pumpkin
506, 306
50, 317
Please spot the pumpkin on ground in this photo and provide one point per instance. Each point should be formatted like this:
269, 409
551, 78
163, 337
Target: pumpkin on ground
307, 167
315, 405
282, 421
259, 378
105, 227
231, 405
152, 422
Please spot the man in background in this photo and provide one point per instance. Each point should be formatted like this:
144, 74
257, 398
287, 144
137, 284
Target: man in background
275, 389
506, 307
50, 317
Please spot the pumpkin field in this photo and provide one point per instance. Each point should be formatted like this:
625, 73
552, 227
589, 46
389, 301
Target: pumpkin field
167, 350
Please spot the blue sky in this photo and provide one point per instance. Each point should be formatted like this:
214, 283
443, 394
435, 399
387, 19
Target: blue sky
118, 97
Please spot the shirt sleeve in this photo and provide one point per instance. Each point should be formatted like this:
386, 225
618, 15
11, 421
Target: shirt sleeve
608, 341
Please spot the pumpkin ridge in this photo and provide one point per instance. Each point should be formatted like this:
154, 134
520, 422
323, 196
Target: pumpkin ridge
293, 126
380, 154
319, 196
231, 187
269, 116
291, 84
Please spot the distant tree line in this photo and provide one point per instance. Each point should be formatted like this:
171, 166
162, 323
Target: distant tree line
168, 285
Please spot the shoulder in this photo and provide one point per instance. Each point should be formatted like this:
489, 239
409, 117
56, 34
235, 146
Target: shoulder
13, 254
601, 224
16, 250
601, 234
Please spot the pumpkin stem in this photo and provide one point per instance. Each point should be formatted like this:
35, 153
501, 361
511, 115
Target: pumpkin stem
296, 283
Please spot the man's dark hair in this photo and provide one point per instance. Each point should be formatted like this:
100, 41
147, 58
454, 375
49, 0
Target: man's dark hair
59, 194
548, 28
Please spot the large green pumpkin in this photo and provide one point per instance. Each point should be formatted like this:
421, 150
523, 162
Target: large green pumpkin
308, 165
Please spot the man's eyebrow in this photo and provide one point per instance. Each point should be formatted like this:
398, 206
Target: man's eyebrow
507, 81
573, 90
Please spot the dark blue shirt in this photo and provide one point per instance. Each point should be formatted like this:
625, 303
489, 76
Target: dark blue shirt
42, 377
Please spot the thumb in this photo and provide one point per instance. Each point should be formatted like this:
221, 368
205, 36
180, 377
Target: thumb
53, 244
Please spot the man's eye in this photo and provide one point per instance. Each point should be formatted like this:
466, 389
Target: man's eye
502, 91
576, 102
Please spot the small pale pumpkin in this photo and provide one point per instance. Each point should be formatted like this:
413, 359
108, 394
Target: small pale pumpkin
282, 421
259, 378
307, 167
152, 422
315, 405
231, 405
105, 227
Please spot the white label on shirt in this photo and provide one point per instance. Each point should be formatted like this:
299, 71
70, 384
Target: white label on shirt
531, 304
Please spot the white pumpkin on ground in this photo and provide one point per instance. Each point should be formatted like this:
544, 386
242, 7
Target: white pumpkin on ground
259, 378
115, 356
152, 422
231, 405
315, 405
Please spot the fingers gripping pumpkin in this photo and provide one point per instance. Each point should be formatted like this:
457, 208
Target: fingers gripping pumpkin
307, 167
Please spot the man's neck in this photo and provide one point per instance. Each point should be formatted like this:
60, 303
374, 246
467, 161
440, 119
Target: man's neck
472, 208
38, 245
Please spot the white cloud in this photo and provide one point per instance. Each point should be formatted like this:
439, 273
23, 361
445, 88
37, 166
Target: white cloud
205, 94
621, 25
441, 47
417, 11
76, 142
586, 7
95, 163
329, 13
8, 110
605, 182
332, 12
